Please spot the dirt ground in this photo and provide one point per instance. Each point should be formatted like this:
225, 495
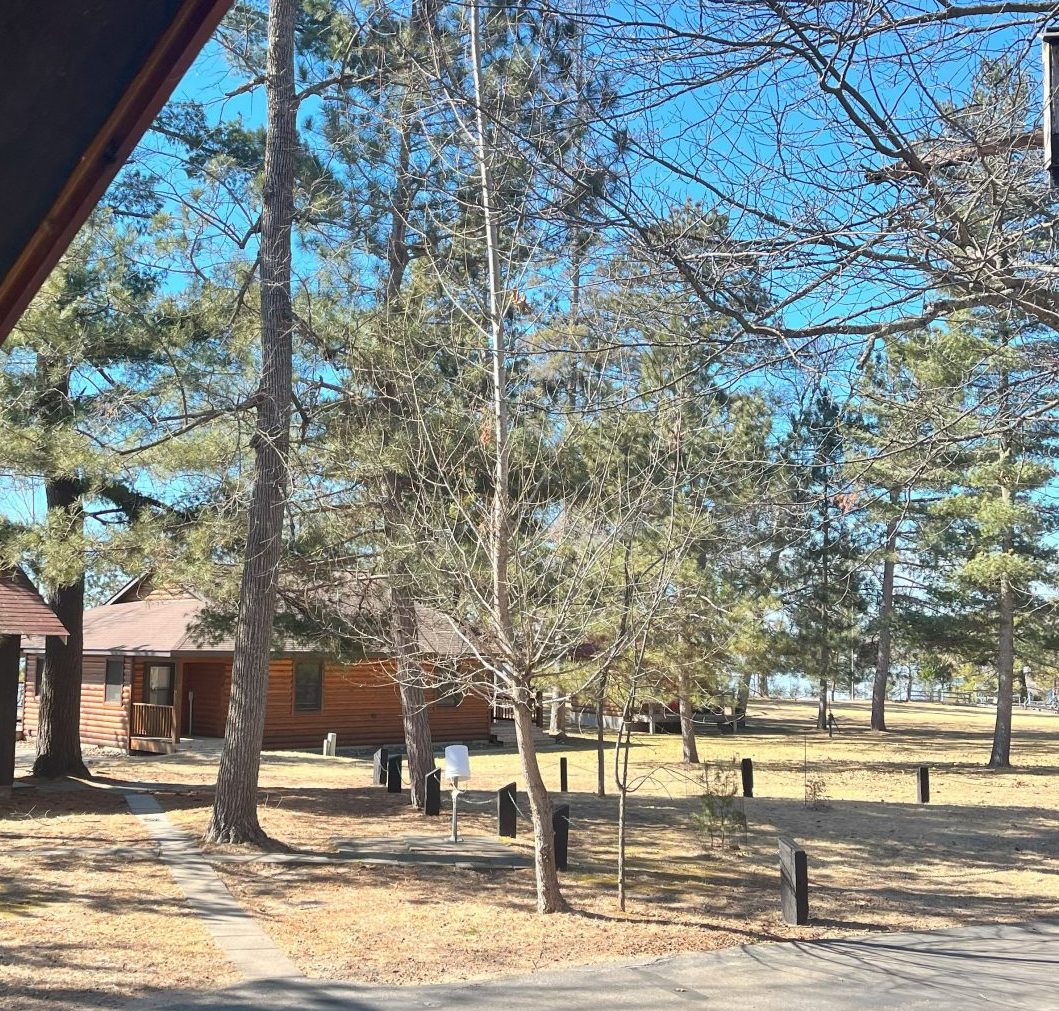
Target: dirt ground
985, 850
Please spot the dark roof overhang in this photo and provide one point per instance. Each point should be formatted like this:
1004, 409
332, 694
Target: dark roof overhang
79, 85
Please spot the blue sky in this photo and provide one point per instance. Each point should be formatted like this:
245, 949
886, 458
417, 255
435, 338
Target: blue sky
732, 144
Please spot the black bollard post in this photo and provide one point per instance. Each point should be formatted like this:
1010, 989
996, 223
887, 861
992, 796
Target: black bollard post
748, 777
378, 767
794, 883
393, 774
561, 831
432, 802
564, 780
506, 812
923, 785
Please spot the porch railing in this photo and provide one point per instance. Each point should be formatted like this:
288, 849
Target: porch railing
503, 708
147, 720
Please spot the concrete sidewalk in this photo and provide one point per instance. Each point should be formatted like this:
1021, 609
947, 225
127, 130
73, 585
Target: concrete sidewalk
968, 968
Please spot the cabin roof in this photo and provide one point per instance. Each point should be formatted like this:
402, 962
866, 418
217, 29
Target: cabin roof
22, 611
157, 626
79, 85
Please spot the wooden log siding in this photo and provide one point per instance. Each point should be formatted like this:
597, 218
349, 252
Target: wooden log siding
102, 723
362, 705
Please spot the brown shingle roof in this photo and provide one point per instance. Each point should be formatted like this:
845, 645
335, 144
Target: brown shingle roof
160, 626
22, 612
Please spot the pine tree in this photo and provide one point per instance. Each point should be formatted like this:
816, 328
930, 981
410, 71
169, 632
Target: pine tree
986, 546
823, 578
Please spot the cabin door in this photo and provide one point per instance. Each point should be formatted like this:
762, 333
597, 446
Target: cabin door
160, 684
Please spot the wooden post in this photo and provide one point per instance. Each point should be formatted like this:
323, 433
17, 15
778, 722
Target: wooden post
794, 883
432, 802
561, 830
378, 768
564, 779
506, 812
923, 785
393, 774
9, 650
330, 745
748, 777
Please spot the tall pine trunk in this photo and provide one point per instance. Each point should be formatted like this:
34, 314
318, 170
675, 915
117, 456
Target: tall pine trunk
234, 818
59, 719
418, 743
689, 746
415, 717
886, 608
742, 695
825, 613
1000, 757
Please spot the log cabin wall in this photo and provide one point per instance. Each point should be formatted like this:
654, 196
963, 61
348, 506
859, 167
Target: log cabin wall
102, 723
361, 704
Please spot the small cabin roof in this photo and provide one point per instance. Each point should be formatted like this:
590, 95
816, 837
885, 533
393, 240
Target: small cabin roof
22, 611
157, 625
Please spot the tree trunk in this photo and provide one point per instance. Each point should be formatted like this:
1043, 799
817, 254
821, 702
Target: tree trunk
549, 896
59, 720
825, 610
742, 695
822, 690
886, 607
234, 818
415, 717
621, 780
601, 758
418, 742
556, 712
1000, 757
763, 685
687, 720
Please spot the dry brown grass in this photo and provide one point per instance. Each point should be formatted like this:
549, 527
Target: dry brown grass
985, 850
84, 928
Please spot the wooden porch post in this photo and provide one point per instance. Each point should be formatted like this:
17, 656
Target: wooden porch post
9, 655
178, 700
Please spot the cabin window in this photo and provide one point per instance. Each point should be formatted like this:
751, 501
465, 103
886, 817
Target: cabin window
114, 681
448, 694
308, 686
34, 665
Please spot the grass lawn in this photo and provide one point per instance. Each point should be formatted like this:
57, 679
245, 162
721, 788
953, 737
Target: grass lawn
985, 850
81, 927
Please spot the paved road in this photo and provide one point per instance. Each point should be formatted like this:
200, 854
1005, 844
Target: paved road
967, 968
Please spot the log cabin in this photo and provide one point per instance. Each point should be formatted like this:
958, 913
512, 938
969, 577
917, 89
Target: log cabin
150, 680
